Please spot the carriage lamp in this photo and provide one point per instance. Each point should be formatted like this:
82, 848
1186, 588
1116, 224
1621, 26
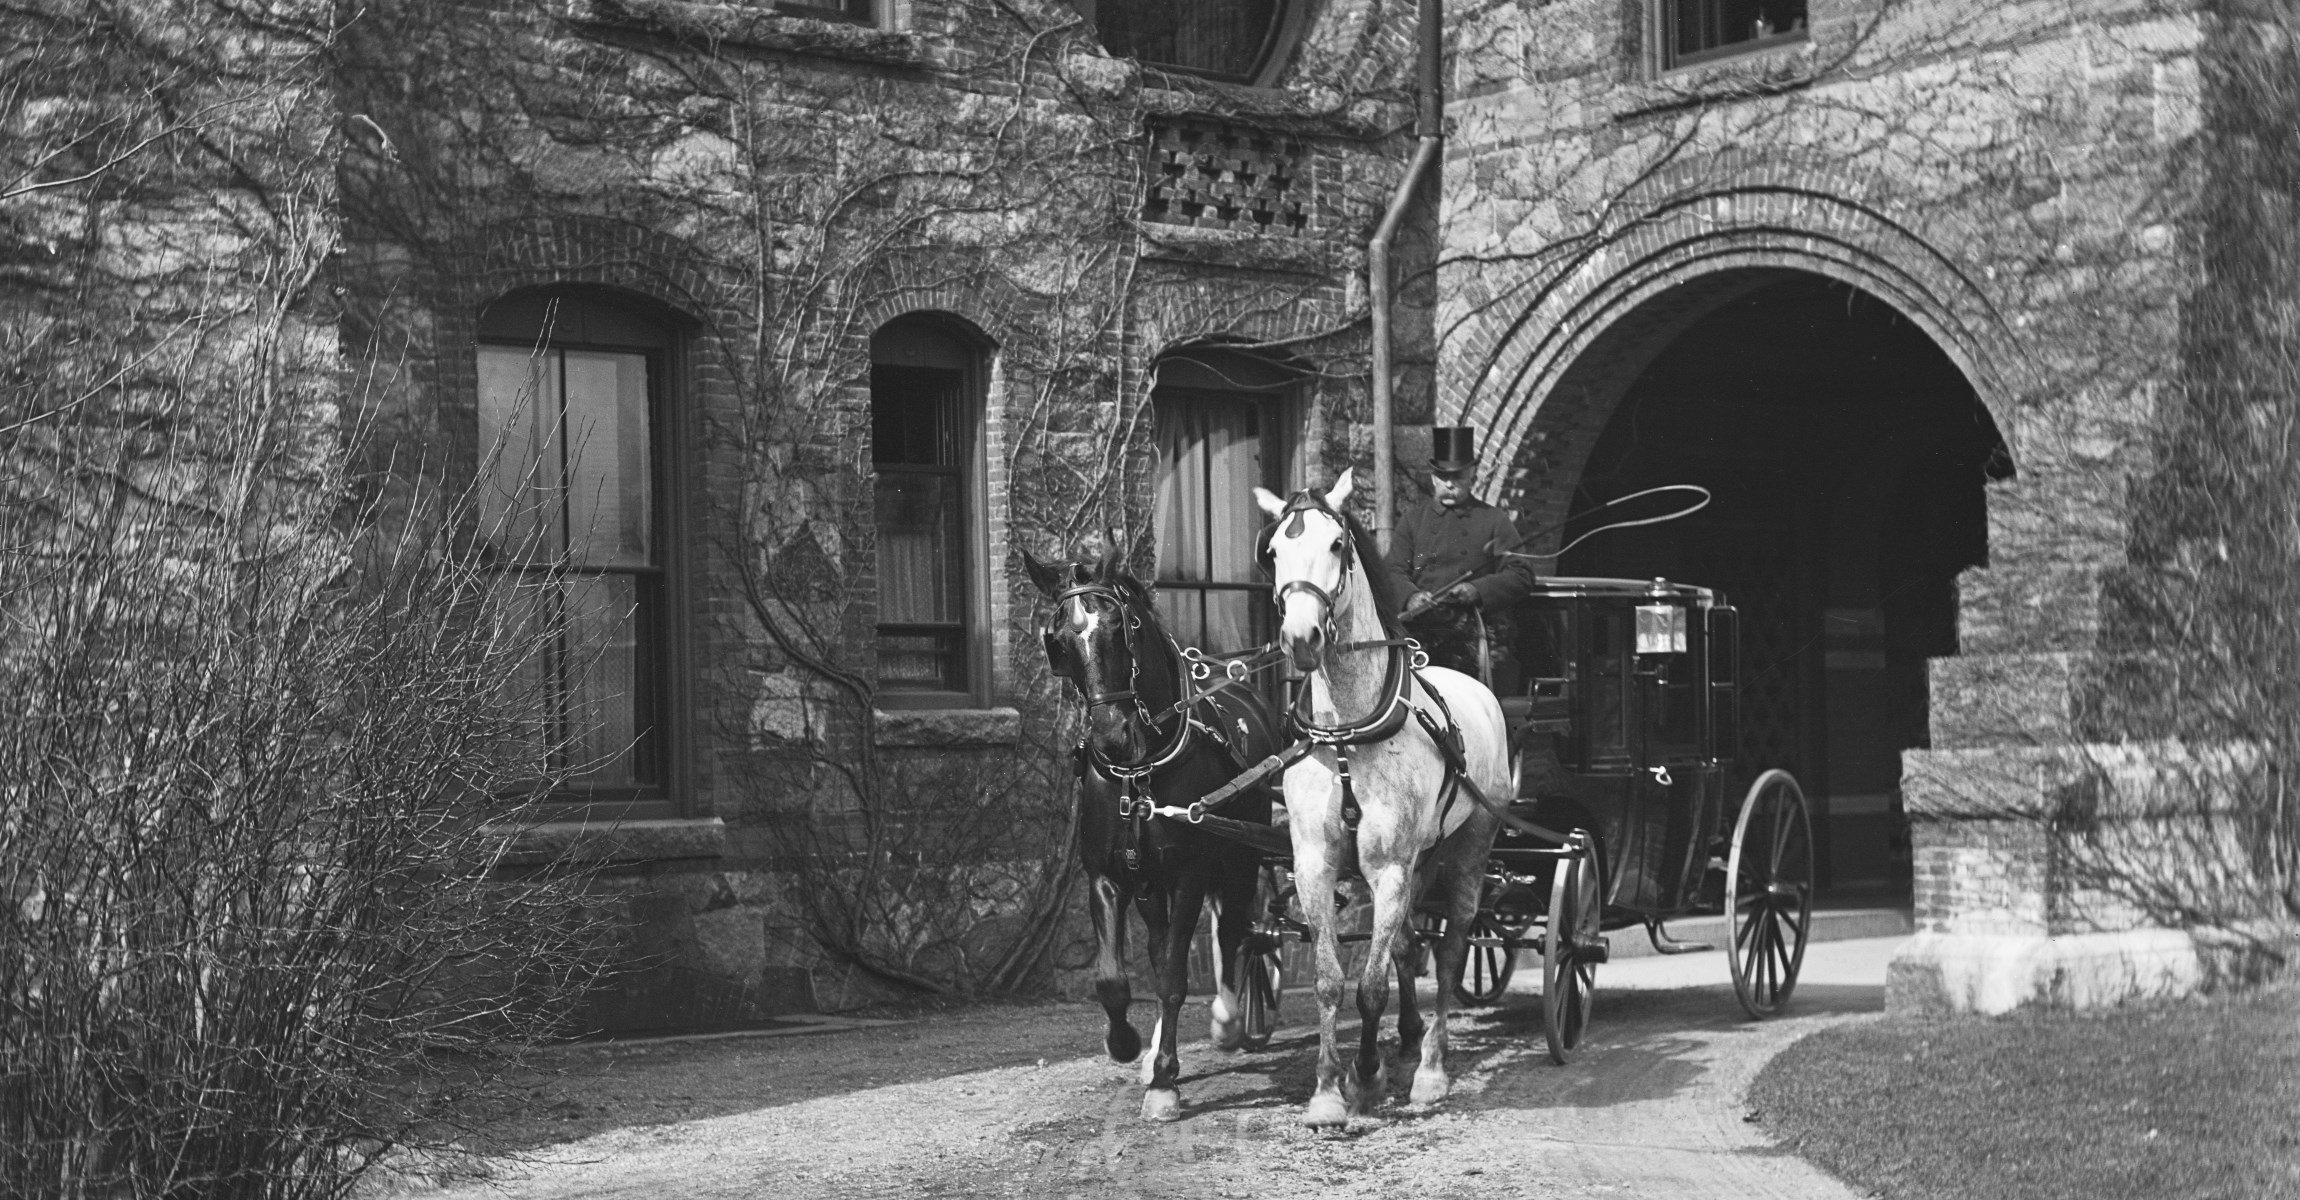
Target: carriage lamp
1660, 629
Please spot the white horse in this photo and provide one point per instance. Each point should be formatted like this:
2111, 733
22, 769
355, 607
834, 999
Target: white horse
1377, 773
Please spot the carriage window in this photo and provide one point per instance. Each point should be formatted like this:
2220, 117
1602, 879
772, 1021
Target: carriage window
925, 387
1699, 31
570, 409
1609, 664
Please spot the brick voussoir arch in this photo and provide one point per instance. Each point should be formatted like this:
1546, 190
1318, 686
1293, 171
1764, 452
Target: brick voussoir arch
594, 252
1516, 363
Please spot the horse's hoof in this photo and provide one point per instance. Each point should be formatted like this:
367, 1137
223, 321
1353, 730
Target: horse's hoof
1430, 1085
1228, 1029
1327, 1111
1372, 1093
1161, 1104
1125, 1045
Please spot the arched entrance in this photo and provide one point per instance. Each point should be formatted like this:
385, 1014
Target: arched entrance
1847, 455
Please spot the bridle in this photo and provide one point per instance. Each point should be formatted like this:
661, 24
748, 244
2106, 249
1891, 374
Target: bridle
1307, 501
1131, 625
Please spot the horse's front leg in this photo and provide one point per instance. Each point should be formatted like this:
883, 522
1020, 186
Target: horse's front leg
1392, 887
1314, 881
1106, 906
1409, 957
1457, 892
1233, 901
1161, 1100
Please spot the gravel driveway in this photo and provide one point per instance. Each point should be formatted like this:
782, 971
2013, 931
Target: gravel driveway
1652, 1108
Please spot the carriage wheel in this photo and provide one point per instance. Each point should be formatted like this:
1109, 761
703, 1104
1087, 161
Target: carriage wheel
1769, 892
1568, 964
1264, 982
1491, 960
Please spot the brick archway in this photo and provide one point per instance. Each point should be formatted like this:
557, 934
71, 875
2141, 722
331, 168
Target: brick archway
1540, 357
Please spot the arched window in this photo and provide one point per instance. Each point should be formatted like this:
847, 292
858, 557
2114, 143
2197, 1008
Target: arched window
574, 439
1225, 425
926, 388
1240, 41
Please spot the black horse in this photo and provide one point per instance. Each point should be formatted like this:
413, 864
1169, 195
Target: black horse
1144, 749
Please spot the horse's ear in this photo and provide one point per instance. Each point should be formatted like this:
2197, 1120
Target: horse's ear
1270, 502
1113, 556
1342, 489
1048, 579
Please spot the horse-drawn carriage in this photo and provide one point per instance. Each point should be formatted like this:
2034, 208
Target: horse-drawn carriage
1594, 801
1624, 735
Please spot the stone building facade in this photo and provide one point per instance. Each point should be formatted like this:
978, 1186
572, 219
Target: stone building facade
1913, 286
869, 300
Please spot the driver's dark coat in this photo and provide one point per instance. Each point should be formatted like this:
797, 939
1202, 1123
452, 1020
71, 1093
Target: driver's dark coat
1433, 546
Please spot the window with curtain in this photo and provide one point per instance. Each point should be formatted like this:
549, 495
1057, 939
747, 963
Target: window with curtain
1234, 40
1221, 422
574, 522
924, 407
1698, 31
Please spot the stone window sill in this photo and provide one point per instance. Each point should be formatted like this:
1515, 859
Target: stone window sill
605, 842
948, 727
759, 29
1770, 71
1299, 254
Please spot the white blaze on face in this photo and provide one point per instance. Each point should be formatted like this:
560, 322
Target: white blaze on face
1307, 546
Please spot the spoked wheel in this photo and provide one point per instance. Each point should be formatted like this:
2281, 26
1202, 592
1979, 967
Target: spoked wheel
1570, 952
1264, 982
1769, 892
1490, 961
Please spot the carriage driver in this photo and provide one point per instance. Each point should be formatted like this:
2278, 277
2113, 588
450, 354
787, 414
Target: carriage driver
1449, 561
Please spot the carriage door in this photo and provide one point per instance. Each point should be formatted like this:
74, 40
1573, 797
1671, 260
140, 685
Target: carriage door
1667, 823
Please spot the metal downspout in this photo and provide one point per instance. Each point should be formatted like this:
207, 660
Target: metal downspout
1427, 125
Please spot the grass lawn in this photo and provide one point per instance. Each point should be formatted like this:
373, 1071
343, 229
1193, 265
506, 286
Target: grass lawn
2193, 1100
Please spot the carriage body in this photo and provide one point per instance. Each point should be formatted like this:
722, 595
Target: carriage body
1624, 729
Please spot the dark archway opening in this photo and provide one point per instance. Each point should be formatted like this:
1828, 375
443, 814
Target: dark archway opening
1847, 456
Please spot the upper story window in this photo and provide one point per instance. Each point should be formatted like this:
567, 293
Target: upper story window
1238, 41
574, 428
859, 12
1699, 31
926, 387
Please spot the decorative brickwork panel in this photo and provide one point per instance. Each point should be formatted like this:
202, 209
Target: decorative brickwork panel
1220, 176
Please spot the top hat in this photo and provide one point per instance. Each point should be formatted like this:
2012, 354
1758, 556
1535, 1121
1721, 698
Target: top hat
1453, 449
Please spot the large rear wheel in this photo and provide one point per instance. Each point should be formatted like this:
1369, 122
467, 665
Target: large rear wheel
1769, 892
1570, 951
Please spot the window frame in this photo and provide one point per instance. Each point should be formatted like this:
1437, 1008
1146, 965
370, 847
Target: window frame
974, 352
847, 12
1668, 58
661, 635
1287, 23
1275, 389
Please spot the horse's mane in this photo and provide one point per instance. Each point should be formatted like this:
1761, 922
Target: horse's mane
1368, 553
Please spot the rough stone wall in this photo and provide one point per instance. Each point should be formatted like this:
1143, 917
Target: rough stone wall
780, 187
2021, 180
